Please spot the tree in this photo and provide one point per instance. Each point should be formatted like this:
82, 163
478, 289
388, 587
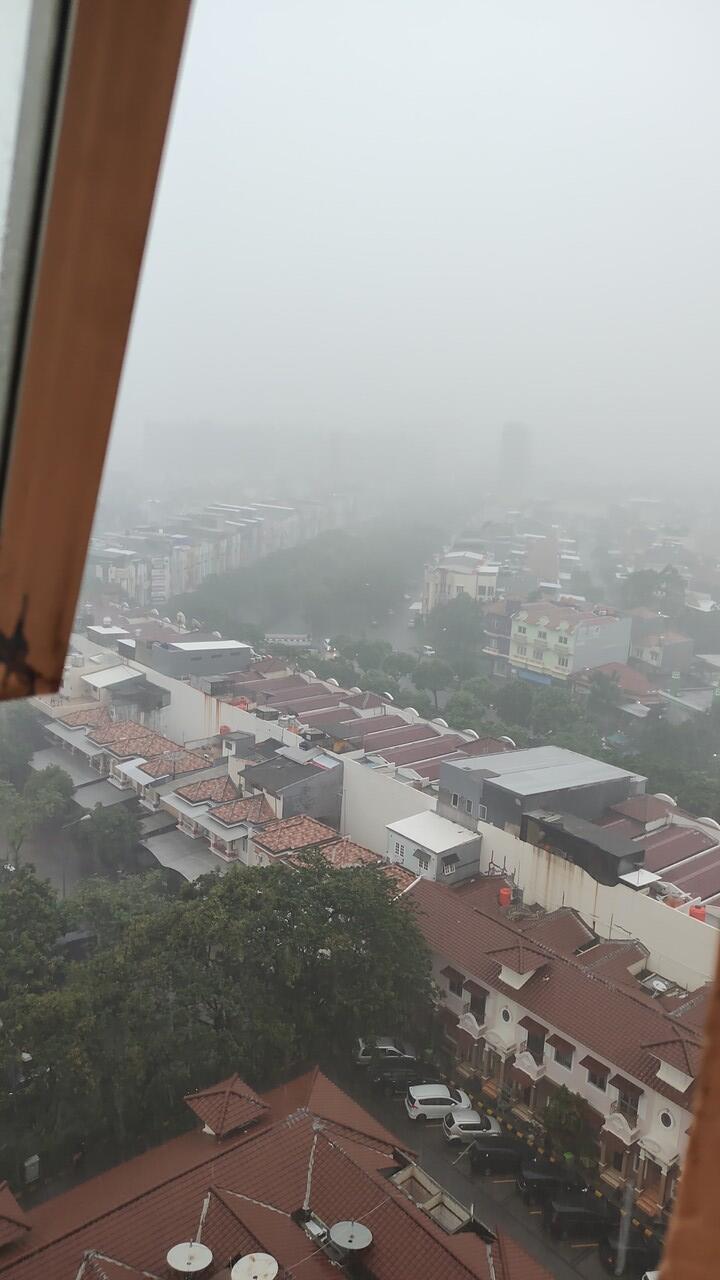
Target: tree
32, 921
567, 1123
400, 664
371, 655
433, 674
17, 741
111, 834
514, 702
339, 669
48, 795
14, 820
418, 699
648, 588
379, 682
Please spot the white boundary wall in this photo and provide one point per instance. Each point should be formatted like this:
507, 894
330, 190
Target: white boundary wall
371, 799
680, 947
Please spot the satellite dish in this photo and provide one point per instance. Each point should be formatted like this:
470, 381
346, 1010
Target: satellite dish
470, 733
255, 1266
311, 674
710, 822
504, 738
189, 1258
413, 712
388, 696
334, 682
351, 1237
354, 689
216, 635
439, 720
661, 795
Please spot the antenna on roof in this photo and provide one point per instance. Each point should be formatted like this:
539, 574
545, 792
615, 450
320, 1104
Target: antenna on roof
255, 1266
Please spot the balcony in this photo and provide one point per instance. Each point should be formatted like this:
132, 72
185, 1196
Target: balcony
471, 1023
623, 1121
530, 1061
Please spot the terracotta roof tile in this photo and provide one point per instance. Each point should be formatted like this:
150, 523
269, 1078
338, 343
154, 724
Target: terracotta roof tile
343, 853
91, 716
645, 808
253, 809
684, 1055
252, 1184
520, 958
218, 790
285, 834
169, 763
228, 1106
13, 1222
563, 929
609, 1018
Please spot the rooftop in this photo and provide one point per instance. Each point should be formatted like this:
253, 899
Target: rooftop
200, 646
432, 832
287, 834
540, 769
310, 1144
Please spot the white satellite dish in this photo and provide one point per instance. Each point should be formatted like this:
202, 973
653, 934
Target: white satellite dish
662, 795
354, 689
189, 1258
255, 1266
351, 1237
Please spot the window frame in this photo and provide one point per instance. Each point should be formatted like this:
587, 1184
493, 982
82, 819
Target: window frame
118, 73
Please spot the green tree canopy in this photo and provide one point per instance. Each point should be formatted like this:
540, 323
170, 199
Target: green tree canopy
433, 674
111, 834
18, 741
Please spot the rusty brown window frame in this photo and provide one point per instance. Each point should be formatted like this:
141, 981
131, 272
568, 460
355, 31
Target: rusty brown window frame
117, 63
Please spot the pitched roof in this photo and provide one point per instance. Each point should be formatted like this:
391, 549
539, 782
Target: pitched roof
682, 1054
644, 808
627, 679
89, 717
592, 1010
227, 1106
253, 809
344, 853
520, 958
13, 1222
208, 789
169, 763
299, 832
563, 929
313, 1144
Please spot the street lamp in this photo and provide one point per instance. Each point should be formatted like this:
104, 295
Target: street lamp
85, 818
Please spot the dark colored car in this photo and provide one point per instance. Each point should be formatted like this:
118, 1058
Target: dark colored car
395, 1077
580, 1215
499, 1154
540, 1179
642, 1254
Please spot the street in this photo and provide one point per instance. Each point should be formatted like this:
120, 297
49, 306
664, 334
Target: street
494, 1200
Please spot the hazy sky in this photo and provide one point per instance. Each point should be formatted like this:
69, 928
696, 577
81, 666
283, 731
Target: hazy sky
380, 213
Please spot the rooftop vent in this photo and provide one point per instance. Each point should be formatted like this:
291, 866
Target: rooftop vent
255, 1266
189, 1258
470, 733
439, 720
354, 689
661, 795
334, 682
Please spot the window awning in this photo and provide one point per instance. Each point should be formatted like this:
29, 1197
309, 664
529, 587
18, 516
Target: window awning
557, 1042
626, 1086
450, 860
475, 989
593, 1065
451, 974
535, 1028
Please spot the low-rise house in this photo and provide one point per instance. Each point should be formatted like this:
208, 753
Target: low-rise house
293, 785
229, 827
434, 847
498, 618
299, 1178
274, 841
525, 1017
663, 651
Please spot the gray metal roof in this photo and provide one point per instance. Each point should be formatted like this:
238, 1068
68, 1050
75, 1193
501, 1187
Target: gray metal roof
191, 858
77, 769
540, 769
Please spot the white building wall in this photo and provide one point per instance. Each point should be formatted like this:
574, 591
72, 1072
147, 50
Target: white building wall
372, 799
680, 947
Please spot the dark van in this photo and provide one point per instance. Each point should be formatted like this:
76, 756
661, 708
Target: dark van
642, 1253
579, 1215
496, 1154
540, 1179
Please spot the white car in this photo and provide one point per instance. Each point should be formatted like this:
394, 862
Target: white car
433, 1101
383, 1049
465, 1126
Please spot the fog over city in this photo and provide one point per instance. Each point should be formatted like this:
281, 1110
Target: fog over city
404, 219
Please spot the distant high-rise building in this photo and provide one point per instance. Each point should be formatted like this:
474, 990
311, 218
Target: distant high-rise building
515, 460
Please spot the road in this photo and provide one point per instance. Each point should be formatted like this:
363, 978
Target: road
494, 1200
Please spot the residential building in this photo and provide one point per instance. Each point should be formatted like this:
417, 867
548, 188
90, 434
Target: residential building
499, 789
292, 784
664, 652
459, 573
635, 693
271, 1174
549, 643
434, 847
498, 618
184, 658
527, 1012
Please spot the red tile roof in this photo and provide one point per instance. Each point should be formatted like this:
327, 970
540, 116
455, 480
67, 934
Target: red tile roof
343, 853
227, 1106
644, 809
166, 764
250, 1186
563, 930
627, 679
299, 832
680, 1053
208, 789
613, 959
253, 809
91, 716
588, 1008
13, 1222
519, 958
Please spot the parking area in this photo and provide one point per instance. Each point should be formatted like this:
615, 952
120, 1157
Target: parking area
494, 1199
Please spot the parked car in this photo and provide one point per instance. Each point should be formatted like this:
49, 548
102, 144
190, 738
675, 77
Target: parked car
540, 1179
579, 1215
383, 1049
495, 1153
642, 1254
395, 1077
428, 651
432, 1101
463, 1126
